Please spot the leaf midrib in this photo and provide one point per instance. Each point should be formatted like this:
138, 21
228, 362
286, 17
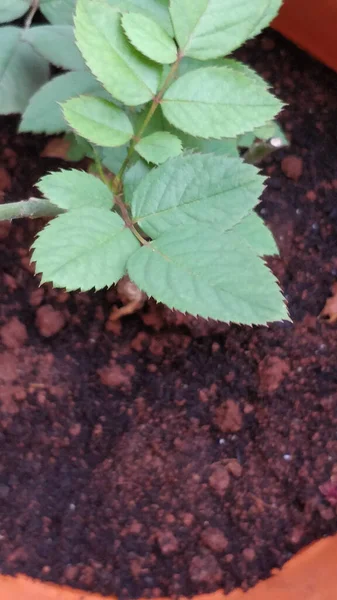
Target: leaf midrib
197, 200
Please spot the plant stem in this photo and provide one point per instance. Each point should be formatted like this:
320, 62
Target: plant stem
154, 105
32, 208
34, 6
100, 169
128, 221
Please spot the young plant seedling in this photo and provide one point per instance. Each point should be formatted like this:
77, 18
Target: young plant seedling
178, 215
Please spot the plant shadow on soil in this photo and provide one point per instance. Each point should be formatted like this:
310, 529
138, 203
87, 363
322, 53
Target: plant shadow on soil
173, 456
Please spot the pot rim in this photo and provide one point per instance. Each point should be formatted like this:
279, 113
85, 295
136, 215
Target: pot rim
309, 575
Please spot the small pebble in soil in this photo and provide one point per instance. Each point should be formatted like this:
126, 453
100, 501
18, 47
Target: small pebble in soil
292, 167
214, 539
167, 542
49, 321
205, 569
14, 333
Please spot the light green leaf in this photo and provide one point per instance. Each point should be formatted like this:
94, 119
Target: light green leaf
156, 9
56, 43
204, 272
84, 249
133, 177
158, 147
113, 158
253, 230
58, 12
44, 114
75, 189
270, 131
13, 9
270, 11
212, 28
191, 64
78, 147
240, 67
225, 146
22, 71
193, 189
98, 120
149, 38
218, 102
125, 74
246, 139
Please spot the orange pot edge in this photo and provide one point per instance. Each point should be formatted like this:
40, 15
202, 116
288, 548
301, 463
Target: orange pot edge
312, 573
309, 575
312, 25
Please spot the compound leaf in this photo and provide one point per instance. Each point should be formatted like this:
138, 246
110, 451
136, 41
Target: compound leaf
56, 43
149, 38
253, 230
84, 249
204, 272
125, 74
197, 188
98, 120
213, 28
74, 189
13, 9
218, 102
22, 71
159, 147
44, 113
58, 12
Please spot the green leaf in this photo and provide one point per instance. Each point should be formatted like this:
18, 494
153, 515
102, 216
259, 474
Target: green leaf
133, 177
113, 158
156, 9
98, 120
253, 230
75, 189
270, 131
22, 71
78, 147
84, 249
13, 9
56, 43
204, 272
125, 74
218, 102
212, 28
158, 147
58, 12
149, 38
191, 64
193, 189
240, 67
225, 146
270, 11
44, 114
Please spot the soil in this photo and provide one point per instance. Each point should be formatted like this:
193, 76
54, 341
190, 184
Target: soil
165, 455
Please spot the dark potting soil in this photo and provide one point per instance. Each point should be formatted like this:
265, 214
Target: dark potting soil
167, 455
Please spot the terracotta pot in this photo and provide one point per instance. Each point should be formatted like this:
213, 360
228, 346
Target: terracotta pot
312, 25
310, 575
